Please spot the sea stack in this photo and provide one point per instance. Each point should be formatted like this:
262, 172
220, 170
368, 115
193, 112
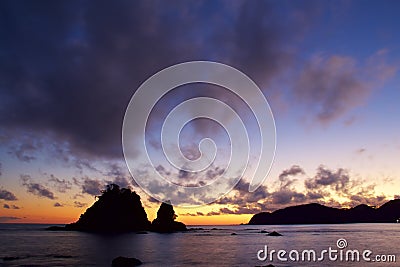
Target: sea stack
165, 221
116, 210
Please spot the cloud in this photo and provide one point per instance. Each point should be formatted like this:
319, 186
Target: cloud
287, 196
226, 211
284, 176
1, 169
241, 196
35, 188
24, 151
120, 176
338, 180
57, 204
213, 213
331, 85
4, 219
7, 195
361, 151
324, 187
95, 186
14, 207
78, 204
92, 64
315, 195
198, 213
293, 171
92, 186
61, 185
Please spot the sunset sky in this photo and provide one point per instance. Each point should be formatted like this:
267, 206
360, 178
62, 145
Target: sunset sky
329, 69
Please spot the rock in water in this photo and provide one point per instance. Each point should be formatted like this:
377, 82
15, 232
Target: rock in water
274, 234
116, 210
125, 262
165, 221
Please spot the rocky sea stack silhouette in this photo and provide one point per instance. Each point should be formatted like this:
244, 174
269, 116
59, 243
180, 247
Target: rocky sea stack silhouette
116, 210
165, 221
120, 210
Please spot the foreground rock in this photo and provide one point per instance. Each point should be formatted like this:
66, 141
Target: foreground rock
125, 262
165, 221
274, 234
116, 210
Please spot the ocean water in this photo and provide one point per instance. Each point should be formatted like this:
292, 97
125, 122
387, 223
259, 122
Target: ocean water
30, 245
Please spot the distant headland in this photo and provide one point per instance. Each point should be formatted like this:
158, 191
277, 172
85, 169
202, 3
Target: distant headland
319, 214
120, 210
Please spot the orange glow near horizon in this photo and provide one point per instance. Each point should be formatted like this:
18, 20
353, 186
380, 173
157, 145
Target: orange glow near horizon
33, 209
40, 211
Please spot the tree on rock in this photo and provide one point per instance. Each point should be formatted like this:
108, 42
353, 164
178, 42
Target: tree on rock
165, 221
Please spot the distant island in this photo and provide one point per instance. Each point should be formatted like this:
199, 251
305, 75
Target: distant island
319, 214
120, 210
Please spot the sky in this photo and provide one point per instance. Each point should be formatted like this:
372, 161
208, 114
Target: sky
68, 69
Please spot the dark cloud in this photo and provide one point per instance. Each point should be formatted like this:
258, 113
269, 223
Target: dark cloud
78, 204
248, 210
293, 171
241, 196
213, 173
92, 186
315, 195
226, 211
61, 185
4, 219
284, 176
160, 169
35, 188
76, 196
287, 196
337, 180
120, 175
1, 169
183, 174
213, 213
57, 204
198, 213
330, 86
91, 56
25, 151
14, 207
152, 200
239, 210
7, 195
190, 179
122, 182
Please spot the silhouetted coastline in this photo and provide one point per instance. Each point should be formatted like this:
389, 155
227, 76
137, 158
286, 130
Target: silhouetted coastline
319, 214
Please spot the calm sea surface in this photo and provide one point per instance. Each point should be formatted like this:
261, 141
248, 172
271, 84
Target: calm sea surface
30, 245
